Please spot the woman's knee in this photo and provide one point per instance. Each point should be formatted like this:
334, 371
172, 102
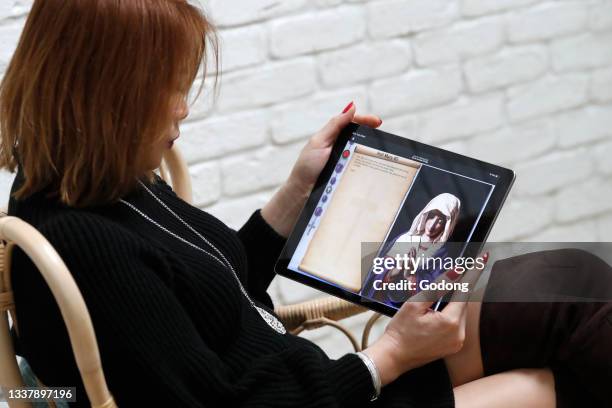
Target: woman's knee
515, 388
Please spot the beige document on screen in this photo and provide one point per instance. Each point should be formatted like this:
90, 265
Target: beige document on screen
362, 209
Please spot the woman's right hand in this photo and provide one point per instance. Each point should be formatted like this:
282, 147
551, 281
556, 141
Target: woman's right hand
417, 335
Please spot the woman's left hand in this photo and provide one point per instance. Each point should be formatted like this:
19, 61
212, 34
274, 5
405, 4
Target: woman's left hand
282, 210
315, 153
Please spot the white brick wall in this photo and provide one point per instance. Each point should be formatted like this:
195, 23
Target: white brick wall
524, 83
458, 41
507, 67
535, 24
317, 31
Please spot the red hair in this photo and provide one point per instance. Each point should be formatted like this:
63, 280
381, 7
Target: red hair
90, 85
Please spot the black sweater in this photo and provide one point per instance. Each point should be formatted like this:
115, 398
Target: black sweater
172, 325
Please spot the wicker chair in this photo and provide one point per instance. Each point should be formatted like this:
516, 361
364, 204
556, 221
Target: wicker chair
14, 231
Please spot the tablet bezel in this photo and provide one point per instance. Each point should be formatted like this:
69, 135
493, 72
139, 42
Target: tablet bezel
500, 192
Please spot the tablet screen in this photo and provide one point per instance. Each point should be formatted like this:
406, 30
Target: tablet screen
383, 196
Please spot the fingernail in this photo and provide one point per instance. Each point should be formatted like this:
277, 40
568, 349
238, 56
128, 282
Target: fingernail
485, 257
349, 106
453, 274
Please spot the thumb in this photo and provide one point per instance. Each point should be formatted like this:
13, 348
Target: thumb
349, 109
416, 307
332, 129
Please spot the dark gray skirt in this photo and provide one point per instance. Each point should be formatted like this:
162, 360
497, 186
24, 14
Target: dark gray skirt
573, 338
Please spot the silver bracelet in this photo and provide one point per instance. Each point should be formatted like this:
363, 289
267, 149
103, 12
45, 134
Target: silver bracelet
373, 372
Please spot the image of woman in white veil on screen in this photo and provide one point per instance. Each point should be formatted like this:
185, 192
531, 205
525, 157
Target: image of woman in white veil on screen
425, 238
436, 222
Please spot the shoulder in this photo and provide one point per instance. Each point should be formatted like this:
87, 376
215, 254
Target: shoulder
82, 228
88, 241
102, 255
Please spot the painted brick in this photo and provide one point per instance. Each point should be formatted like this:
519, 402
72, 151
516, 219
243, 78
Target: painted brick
405, 126
581, 231
464, 118
259, 169
601, 85
346, 66
582, 52
580, 200
398, 17
509, 67
318, 31
534, 216
548, 21
601, 16
514, 144
584, 126
415, 90
206, 177
604, 226
460, 41
236, 12
243, 47
552, 172
221, 135
482, 7
13, 8
603, 157
274, 83
9, 35
546, 96
297, 120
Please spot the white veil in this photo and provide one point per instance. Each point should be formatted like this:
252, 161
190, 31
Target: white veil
448, 205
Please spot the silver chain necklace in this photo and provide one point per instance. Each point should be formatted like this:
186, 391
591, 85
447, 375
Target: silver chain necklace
269, 318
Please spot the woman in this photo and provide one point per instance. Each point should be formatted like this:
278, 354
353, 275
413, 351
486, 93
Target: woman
91, 99
435, 222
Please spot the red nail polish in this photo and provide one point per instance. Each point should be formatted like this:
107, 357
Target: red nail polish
485, 257
453, 274
349, 106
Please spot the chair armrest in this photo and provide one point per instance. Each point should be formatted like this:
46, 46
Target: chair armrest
332, 308
69, 299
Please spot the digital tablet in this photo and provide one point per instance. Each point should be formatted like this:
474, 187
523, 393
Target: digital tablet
380, 197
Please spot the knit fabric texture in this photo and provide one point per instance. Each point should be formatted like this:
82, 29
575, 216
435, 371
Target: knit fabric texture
172, 325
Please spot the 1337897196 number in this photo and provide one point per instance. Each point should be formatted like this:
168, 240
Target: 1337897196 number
38, 394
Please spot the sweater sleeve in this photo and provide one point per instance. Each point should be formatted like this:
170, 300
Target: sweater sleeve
152, 352
263, 247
